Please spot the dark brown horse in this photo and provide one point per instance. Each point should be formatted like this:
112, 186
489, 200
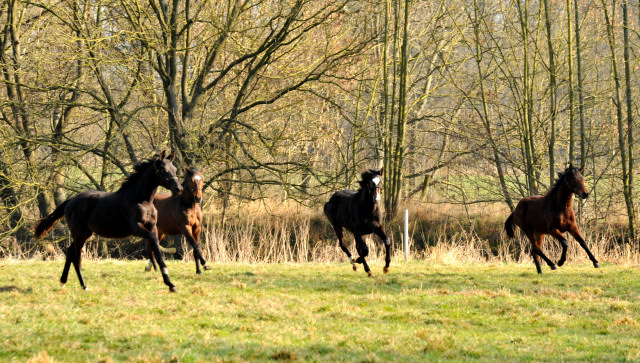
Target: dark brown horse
359, 213
551, 214
129, 211
181, 214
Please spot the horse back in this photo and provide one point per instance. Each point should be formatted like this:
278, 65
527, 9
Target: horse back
335, 209
107, 214
539, 214
344, 209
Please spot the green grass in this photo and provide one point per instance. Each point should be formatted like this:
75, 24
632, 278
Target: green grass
323, 312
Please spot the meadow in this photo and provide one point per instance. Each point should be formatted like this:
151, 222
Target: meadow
319, 312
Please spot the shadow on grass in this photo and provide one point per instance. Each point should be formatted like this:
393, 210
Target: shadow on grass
12, 288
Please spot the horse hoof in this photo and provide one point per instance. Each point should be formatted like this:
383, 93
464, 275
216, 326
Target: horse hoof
206, 267
147, 268
173, 289
596, 265
355, 267
198, 272
386, 270
553, 267
85, 288
371, 274
560, 262
62, 285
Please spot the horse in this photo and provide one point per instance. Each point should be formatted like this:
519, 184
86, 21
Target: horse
128, 211
359, 213
551, 214
181, 214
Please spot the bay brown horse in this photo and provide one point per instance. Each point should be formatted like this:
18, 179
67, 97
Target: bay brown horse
360, 214
128, 211
551, 214
181, 214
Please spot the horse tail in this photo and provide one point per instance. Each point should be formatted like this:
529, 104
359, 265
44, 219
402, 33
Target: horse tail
327, 207
508, 226
45, 225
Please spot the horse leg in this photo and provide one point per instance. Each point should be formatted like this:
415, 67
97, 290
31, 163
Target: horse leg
73, 257
67, 264
387, 247
197, 256
151, 236
537, 247
197, 229
574, 232
536, 258
77, 260
338, 230
563, 242
363, 251
152, 260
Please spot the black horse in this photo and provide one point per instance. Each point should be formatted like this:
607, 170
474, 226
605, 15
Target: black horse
359, 213
129, 211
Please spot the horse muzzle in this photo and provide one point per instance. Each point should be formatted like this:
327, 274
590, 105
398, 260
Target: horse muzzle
176, 188
378, 194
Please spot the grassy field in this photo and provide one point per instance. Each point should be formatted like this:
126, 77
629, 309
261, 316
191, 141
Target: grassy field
319, 312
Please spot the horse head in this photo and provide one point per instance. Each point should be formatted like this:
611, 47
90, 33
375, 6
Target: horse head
194, 181
574, 180
166, 172
371, 183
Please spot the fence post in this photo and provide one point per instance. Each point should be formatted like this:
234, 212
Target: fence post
406, 235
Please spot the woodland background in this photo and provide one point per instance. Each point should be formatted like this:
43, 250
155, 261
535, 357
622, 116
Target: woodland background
468, 106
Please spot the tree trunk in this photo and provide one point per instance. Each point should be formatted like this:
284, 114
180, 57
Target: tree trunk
583, 147
552, 96
570, 81
620, 120
628, 96
485, 111
396, 171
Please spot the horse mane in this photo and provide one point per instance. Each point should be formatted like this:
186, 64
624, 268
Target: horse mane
189, 171
139, 169
192, 170
561, 177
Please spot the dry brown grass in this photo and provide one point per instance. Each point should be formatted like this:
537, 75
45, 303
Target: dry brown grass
269, 232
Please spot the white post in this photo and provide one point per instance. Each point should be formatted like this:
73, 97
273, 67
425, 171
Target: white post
406, 235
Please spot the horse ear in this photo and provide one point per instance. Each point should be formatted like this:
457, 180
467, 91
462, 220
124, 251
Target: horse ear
172, 156
381, 171
162, 154
580, 170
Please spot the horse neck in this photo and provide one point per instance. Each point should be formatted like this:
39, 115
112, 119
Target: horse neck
564, 196
145, 188
366, 200
186, 196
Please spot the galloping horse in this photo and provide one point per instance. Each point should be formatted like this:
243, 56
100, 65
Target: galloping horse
359, 213
129, 211
181, 214
551, 214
